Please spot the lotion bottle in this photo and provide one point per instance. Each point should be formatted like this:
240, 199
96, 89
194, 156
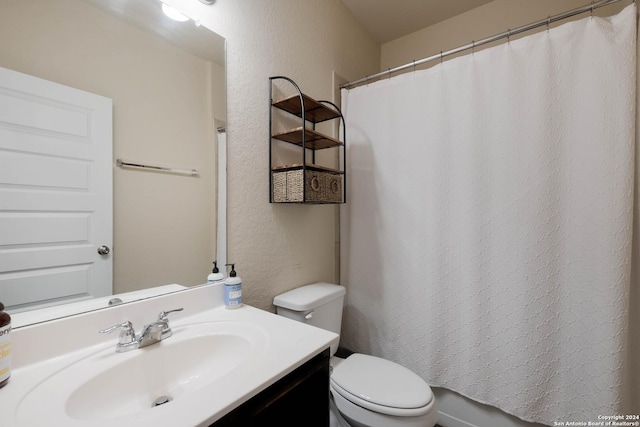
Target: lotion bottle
215, 276
5, 346
232, 290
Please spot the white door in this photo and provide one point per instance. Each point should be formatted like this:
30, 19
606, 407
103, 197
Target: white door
55, 192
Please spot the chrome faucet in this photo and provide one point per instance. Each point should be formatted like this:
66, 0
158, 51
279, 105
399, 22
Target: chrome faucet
150, 334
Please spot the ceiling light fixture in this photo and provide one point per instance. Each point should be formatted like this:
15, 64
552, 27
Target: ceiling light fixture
173, 14
209, 2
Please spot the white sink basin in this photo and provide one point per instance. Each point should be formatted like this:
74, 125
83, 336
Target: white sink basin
107, 385
67, 374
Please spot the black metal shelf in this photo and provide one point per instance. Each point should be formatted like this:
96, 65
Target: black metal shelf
306, 182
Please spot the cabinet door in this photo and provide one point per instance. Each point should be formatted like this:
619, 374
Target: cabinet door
299, 399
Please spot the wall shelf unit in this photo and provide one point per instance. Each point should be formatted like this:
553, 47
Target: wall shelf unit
305, 181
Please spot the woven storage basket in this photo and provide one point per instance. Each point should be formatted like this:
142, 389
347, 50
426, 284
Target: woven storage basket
320, 186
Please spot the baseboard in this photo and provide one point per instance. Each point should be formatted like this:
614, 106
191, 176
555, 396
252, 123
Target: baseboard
446, 420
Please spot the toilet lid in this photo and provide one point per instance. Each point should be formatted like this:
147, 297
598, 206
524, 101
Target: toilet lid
381, 382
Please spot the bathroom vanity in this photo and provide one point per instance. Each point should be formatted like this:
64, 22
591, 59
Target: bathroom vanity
300, 398
218, 368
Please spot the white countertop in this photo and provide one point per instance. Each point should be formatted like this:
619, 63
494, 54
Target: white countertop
42, 350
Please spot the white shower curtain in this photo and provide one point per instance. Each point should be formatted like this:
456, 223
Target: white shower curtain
486, 244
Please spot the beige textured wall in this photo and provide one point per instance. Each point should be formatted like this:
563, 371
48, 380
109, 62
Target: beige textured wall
162, 114
479, 23
278, 247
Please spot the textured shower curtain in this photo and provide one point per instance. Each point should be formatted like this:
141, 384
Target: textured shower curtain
486, 244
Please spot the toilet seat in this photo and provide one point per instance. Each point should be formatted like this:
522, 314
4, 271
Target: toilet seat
381, 386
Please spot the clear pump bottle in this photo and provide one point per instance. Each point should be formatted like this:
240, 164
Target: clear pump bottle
232, 290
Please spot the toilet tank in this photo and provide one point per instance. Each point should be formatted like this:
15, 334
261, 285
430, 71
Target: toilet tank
318, 304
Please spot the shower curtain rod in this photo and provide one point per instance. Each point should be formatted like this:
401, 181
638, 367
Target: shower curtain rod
473, 45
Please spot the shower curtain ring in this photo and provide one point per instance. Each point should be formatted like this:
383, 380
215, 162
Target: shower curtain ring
548, 22
509, 35
440, 57
473, 46
414, 65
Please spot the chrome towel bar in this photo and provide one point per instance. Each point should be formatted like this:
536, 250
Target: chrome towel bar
126, 164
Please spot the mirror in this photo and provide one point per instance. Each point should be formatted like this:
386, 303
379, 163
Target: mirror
165, 225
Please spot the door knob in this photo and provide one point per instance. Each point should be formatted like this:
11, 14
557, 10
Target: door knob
104, 250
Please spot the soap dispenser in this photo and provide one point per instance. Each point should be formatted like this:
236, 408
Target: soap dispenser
232, 290
5, 346
215, 276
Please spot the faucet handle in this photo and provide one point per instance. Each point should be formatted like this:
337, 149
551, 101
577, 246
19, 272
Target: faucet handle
127, 333
162, 317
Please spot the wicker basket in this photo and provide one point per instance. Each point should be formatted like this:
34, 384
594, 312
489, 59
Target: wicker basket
320, 186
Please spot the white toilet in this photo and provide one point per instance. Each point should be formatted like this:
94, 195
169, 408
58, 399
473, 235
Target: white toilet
367, 391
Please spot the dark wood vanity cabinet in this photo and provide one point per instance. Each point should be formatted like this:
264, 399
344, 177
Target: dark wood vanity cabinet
299, 399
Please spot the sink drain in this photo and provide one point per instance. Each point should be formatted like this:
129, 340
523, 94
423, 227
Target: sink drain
161, 401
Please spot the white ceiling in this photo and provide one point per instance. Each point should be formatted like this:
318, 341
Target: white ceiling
387, 20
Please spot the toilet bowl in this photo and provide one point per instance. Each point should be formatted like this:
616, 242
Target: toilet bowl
367, 391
